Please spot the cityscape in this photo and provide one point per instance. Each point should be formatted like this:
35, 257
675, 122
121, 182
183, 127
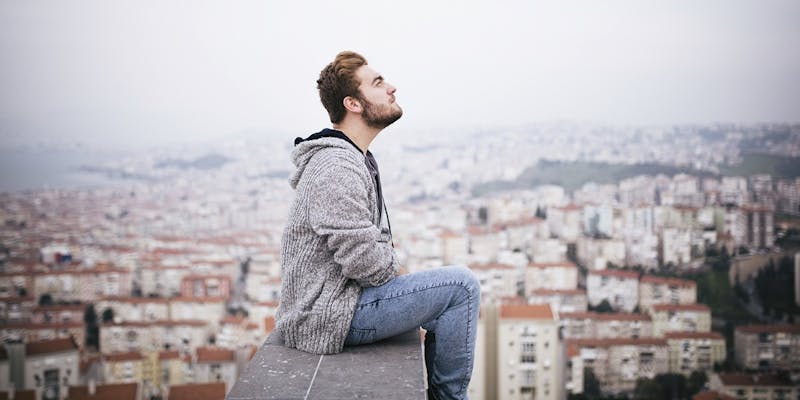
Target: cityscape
615, 262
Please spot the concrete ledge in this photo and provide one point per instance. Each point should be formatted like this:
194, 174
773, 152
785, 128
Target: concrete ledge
389, 369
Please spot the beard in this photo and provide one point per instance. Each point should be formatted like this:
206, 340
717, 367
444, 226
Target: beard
380, 116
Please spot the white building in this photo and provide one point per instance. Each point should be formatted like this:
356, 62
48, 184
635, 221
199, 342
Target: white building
551, 276
529, 353
619, 288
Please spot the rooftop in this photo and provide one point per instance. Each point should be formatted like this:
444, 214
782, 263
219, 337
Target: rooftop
115, 391
197, 391
277, 372
526, 311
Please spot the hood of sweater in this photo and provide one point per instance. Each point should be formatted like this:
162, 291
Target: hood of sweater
304, 149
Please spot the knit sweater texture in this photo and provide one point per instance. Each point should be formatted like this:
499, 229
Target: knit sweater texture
333, 244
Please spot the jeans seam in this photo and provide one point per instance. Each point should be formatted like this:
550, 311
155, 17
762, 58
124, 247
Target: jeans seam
406, 293
469, 348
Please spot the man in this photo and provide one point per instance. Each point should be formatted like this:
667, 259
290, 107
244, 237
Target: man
340, 281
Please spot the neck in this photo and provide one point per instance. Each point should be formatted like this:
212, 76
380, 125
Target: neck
361, 134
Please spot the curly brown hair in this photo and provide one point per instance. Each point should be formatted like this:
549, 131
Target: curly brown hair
337, 81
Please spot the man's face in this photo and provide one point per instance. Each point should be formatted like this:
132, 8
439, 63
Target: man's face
377, 98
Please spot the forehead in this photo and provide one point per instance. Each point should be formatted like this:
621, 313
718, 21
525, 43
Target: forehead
366, 74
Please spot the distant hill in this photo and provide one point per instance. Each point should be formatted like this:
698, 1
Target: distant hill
777, 166
572, 175
205, 162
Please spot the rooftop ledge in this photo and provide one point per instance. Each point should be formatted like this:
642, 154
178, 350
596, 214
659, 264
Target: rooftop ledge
389, 369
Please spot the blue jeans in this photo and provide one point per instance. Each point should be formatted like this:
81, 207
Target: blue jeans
445, 302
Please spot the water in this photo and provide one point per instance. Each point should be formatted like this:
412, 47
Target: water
25, 169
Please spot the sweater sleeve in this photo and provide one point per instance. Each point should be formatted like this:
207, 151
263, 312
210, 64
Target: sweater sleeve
339, 211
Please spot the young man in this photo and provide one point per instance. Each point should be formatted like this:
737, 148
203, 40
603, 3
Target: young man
340, 284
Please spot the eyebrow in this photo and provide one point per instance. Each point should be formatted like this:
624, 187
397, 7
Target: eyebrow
377, 78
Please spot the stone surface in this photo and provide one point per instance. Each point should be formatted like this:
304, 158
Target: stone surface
389, 369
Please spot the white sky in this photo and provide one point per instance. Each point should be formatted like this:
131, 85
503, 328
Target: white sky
115, 73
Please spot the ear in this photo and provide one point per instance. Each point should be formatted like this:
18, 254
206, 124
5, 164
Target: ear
352, 104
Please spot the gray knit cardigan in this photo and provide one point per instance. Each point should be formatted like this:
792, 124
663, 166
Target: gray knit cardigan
332, 245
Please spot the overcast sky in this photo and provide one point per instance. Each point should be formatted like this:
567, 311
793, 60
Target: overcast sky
113, 73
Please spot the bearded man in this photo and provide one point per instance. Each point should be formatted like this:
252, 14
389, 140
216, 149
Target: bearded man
340, 281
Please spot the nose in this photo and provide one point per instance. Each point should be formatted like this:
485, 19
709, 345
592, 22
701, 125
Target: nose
390, 89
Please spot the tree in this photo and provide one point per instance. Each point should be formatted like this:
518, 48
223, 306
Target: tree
591, 386
697, 380
603, 307
108, 315
92, 330
46, 300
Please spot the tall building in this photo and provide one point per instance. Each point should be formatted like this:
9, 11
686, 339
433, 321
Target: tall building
694, 351
661, 290
619, 288
618, 363
529, 353
767, 347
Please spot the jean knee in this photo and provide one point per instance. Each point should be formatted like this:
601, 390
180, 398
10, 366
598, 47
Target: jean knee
468, 279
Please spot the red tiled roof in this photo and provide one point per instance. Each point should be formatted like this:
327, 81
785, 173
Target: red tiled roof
126, 356
269, 324
50, 346
777, 328
681, 307
197, 391
169, 355
565, 264
490, 266
168, 322
740, 379
28, 394
556, 292
660, 280
694, 335
526, 311
31, 326
611, 342
211, 354
616, 316
115, 391
712, 395
617, 273
137, 300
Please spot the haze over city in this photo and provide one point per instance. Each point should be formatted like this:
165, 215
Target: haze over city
128, 74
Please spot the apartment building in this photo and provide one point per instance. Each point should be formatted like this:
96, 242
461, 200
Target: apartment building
767, 347
82, 284
163, 280
661, 290
153, 336
619, 288
589, 325
545, 250
124, 367
595, 254
31, 332
529, 353
485, 243
135, 308
215, 364
520, 233
57, 313
552, 276
497, 280
694, 351
618, 363
207, 309
203, 286
675, 246
50, 367
562, 301
744, 386
455, 247
680, 318
565, 221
